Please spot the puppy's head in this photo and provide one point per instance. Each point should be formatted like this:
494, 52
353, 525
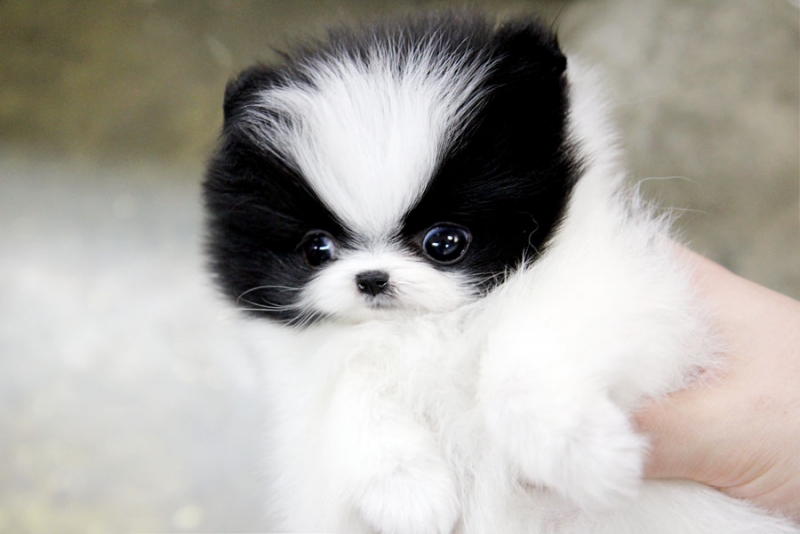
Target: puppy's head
392, 170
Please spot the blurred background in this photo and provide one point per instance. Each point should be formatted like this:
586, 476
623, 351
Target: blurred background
127, 405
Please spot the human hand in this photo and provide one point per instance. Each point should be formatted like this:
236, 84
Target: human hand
740, 431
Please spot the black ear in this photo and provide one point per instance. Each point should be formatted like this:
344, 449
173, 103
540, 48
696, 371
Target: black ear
241, 89
528, 100
528, 49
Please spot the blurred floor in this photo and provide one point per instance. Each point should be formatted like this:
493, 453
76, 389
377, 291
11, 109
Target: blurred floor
127, 405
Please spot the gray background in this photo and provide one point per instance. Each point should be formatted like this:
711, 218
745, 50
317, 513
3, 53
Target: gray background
126, 404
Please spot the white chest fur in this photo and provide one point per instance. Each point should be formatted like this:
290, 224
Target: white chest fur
510, 415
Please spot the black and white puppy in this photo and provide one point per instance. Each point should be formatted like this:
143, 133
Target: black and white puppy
461, 302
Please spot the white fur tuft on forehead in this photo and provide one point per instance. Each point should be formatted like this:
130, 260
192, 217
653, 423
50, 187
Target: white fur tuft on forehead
367, 133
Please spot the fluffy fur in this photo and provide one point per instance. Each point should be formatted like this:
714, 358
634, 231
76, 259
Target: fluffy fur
487, 390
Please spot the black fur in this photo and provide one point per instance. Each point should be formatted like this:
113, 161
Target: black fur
258, 212
507, 178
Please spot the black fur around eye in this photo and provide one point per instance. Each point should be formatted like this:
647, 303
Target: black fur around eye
318, 248
446, 243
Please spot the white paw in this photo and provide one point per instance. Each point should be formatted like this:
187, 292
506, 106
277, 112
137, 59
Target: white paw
416, 499
586, 452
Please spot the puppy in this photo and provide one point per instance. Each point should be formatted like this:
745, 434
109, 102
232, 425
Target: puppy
456, 301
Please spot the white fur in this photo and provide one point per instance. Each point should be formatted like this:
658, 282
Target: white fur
415, 286
367, 136
507, 414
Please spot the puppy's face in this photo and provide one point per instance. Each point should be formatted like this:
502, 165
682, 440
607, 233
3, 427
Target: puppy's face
399, 170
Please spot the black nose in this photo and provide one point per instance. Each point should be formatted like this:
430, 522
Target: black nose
372, 282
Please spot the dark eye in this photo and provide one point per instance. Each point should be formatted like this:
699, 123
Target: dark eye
318, 248
446, 243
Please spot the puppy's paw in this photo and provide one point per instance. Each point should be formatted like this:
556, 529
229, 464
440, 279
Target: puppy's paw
587, 452
412, 499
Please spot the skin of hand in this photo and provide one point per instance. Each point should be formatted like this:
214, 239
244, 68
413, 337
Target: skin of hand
740, 431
